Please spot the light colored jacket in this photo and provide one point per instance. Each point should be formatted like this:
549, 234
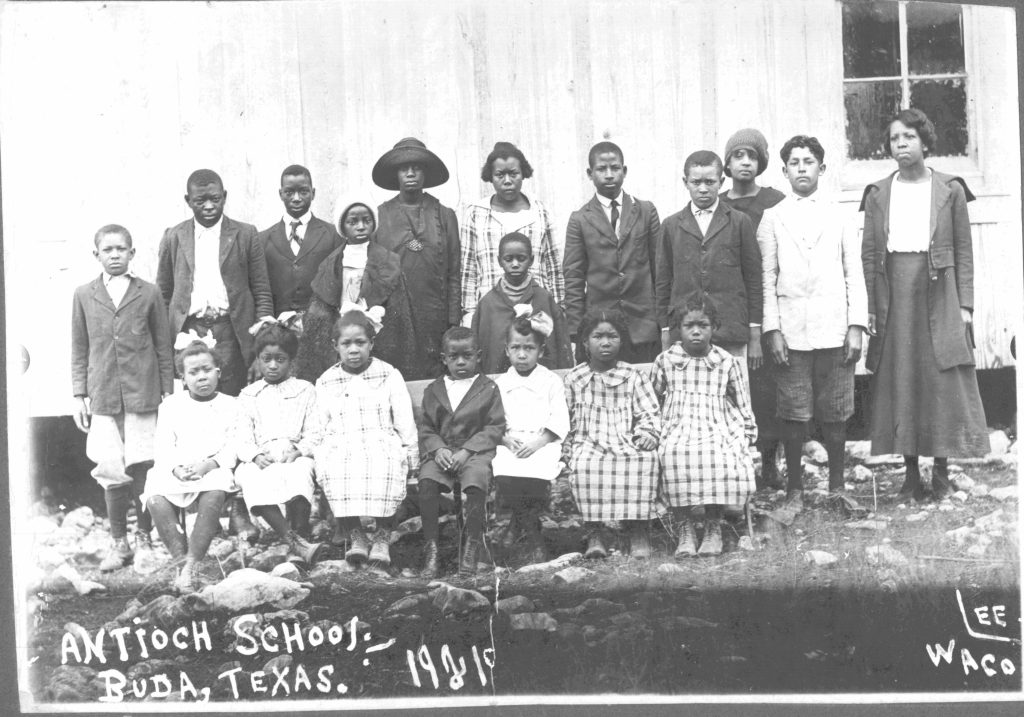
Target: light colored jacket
813, 275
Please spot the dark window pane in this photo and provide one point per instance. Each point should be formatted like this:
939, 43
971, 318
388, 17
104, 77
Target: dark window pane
935, 39
869, 105
945, 103
871, 39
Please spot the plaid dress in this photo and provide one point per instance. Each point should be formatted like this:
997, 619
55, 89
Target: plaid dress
706, 428
369, 439
479, 234
612, 478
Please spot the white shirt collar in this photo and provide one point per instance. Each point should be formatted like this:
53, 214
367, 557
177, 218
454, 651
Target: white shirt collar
713, 208
303, 220
200, 229
606, 202
815, 197
107, 278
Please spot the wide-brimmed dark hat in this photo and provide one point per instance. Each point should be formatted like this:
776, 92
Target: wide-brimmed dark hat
409, 151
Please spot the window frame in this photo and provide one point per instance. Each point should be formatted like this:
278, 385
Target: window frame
856, 173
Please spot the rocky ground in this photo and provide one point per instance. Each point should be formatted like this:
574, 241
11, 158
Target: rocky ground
822, 601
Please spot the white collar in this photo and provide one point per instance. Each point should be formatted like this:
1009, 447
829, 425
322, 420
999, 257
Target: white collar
813, 197
200, 229
485, 202
303, 220
107, 278
713, 208
606, 202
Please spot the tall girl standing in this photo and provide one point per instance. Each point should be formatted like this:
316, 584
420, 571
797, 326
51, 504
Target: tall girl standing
613, 436
368, 440
707, 426
919, 271
508, 210
425, 234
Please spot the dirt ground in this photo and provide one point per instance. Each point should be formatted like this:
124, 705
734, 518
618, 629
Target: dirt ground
828, 604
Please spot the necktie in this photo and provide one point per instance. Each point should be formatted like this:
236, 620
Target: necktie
295, 233
615, 215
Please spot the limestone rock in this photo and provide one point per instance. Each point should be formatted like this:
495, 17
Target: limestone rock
745, 543
820, 558
573, 575
452, 601
408, 604
280, 662
959, 497
560, 562
998, 441
884, 460
592, 608
962, 481
816, 453
515, 604
248, 588
917, 517
329, 572
861, 474
287, 570
858, 450
72, 683
1005, 493
868, 524
885, 555
533, 621
673, 569
269, 558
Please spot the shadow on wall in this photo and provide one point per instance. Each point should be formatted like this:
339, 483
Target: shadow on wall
58, 448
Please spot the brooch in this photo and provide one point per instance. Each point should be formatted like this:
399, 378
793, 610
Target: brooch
415, 245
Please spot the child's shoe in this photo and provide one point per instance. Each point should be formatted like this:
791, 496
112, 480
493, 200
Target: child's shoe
358, 548
298, 512
794, 501
309, 552
596, 549
240, 523
712, 543
187, 579
467, 567
639, 542
120, 554
430, 567
143, 541
380, 551
941, 487
687, 546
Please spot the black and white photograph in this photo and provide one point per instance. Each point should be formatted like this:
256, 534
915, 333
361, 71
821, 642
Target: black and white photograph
382, 354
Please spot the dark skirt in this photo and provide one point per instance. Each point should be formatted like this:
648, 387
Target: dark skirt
916, 408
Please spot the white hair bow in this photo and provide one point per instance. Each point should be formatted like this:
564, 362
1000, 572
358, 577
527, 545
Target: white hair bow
184, 339
286, 319
539, 321
375, 313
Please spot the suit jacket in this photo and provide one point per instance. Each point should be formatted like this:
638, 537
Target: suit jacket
243, 267
606, 269
477, 425
120, 357
813, 278
724, 266
950, 267
290, 274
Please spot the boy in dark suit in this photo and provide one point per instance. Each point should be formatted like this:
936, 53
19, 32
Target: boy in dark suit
212, 274
709, 251
610, 248
463, 421
297, 245
121, 368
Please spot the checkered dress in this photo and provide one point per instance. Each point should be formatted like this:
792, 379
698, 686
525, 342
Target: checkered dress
613, 479
706, 430
479, 234
369, 439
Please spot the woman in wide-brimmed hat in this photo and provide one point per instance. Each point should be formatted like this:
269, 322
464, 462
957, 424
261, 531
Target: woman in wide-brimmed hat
425, 234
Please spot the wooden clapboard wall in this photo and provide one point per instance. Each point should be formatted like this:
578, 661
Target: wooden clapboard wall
108, 107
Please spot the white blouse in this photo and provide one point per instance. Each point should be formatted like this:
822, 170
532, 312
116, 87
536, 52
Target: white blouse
910, 216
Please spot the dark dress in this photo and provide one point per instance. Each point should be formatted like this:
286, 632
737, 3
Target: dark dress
494, 315
383, 285
763, 398
426, 238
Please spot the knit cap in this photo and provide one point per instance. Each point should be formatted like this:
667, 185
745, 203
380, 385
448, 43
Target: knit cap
751, 139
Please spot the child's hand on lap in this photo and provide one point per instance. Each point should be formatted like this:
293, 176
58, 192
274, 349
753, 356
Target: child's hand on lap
185, 473
262, 461
443, 458
290, 455
528, 448
459, 459
513, 444
645, 442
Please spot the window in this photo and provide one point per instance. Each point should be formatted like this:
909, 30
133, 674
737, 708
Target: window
898, 55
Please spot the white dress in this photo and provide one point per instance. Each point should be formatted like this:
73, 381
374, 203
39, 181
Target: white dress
189, 431
369, 439
273, 418
532, 403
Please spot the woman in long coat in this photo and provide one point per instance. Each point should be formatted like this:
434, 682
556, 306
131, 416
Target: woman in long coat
919, 271
425, 234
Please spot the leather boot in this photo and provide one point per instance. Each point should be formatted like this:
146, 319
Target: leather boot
712, 543
430, 567
912, 485
639, 542
467, 567
687, 546
298, 512
299, 546
239, 522
358, 547
380, 550
941, 487
120, 554
595, 545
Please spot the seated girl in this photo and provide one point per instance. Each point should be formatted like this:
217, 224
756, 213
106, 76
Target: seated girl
194, 459
275, 437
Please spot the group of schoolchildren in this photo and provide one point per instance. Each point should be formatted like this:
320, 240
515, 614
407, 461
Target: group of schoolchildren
255, 318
